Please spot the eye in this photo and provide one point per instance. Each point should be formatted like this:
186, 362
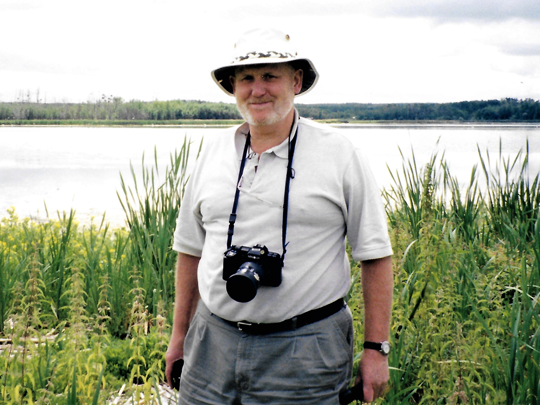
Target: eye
268, 76
247, 78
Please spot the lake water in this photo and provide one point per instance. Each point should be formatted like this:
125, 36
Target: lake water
79, 167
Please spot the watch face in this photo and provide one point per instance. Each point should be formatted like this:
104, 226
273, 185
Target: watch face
385, 348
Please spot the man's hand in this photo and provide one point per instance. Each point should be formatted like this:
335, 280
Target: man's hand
174, 352
373, 371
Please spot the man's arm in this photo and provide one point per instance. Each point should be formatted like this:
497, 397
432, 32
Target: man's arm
377, 287
187, 297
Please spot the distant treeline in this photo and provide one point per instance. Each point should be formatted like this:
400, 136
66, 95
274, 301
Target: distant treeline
116, 109
509, 109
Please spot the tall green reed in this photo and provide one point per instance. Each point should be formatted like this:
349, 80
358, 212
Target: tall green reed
513, 202
94, 243
423, 263
59, 261
457, 285
467, 277
405, 193
151, 211
513, 199
465, 208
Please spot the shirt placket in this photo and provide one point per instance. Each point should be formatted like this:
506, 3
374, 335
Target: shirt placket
250, 171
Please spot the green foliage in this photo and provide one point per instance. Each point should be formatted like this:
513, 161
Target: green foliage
466, 323
513, 200
151, 213
70, 296
118, 352
115, 111
86, 309
508, 109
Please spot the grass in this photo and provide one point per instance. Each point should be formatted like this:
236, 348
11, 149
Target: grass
85, 309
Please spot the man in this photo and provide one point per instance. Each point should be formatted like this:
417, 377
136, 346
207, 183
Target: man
249, 330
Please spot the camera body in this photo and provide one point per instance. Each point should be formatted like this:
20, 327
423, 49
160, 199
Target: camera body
355, 393
247, 268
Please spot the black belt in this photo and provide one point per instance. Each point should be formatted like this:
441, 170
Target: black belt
289, 324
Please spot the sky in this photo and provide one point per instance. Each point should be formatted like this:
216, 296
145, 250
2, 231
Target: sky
366, 51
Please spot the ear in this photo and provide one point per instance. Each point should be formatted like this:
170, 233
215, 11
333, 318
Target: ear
298, 79
233, 83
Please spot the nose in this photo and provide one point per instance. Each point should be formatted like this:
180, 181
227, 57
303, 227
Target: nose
258, 88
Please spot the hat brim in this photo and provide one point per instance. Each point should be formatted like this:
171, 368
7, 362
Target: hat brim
310, 77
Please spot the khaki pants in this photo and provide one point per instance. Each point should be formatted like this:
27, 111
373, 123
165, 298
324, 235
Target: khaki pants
224, 365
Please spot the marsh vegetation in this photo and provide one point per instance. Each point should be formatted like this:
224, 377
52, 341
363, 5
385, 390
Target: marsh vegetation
85, 309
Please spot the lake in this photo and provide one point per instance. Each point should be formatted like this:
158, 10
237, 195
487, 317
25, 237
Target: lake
79, 167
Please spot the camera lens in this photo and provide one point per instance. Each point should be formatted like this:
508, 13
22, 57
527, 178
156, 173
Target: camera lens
242, 286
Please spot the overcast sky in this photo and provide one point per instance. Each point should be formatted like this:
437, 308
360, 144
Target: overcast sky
368, 51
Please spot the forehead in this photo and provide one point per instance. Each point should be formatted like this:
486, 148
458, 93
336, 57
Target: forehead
263, 68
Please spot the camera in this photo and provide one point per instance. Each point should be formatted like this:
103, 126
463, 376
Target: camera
176, 373
355, 393
247, 268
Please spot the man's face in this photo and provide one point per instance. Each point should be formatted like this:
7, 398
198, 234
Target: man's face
265, 93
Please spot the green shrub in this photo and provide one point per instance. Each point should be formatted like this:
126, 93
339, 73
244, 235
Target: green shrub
465, 327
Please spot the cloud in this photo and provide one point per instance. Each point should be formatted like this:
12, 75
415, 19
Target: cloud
521, 49
20, 5
439, 10
21, 63
458, 10
146, 49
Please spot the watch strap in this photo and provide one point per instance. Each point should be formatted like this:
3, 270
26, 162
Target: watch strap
378, 346
372, 346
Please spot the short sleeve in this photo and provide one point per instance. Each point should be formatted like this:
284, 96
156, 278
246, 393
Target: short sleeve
189, 235
367, 230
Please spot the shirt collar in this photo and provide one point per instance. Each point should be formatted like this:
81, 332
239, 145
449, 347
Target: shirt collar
281, 150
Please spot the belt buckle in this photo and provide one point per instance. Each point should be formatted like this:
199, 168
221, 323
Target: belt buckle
242, 324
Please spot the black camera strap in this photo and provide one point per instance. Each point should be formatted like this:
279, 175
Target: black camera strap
232, 217
290, 175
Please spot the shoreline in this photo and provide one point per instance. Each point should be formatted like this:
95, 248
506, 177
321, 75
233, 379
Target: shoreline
333, 123
432, 124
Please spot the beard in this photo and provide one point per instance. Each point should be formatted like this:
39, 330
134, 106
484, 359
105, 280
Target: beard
279, 111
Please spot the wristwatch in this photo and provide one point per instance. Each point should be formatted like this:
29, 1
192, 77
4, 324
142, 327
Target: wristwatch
382, 347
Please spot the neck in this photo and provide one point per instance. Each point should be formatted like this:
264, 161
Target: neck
264, 137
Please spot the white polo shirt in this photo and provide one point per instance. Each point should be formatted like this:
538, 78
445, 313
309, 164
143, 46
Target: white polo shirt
332, 196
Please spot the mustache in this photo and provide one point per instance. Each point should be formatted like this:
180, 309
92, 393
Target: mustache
259, 101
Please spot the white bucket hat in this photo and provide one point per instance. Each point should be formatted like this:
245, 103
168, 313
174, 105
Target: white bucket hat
263, 46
